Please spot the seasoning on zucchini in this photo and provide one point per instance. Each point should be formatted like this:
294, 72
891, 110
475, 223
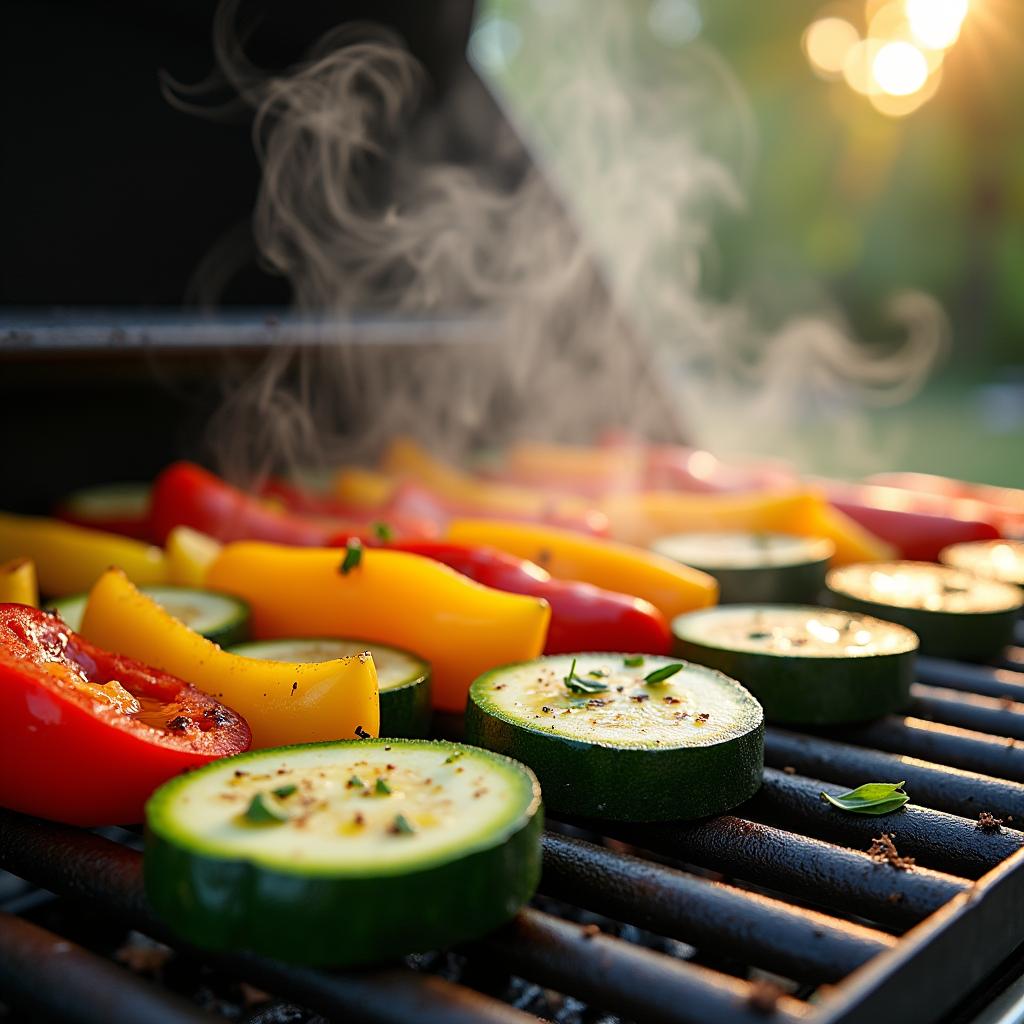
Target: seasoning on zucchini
755, 568
994, 559
613, 739
219, 617
806, 665
403, 680
339, 870
955, 614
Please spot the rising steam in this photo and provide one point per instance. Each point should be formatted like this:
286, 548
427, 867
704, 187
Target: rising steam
580, 274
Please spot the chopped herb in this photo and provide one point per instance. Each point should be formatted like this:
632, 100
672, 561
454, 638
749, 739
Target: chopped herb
353, 555
262, 811
401, 827
284, 791
454, 757
577, 684
659, 675
383, 532
597, 673
355, 782
871, 798
633, 660
381, 788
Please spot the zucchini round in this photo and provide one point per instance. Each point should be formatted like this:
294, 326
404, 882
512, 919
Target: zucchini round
222, 618
994, 559
806, 665
955, 614
344, 853
608, 743
403, 680
755, 568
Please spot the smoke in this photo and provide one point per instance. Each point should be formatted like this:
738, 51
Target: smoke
579, 277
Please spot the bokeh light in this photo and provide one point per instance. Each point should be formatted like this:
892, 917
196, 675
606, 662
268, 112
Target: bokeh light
899, 68
936, 23
827, 42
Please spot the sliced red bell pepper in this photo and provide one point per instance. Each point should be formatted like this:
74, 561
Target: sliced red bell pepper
88, 735
917, 526
583, 617
185, 494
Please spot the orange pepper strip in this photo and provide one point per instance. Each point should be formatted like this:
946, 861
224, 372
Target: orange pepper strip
363, 488
669, 586
406, 458
642, 518
463, 629
282, 702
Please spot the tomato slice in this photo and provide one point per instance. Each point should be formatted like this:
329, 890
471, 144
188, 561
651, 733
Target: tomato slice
87, 735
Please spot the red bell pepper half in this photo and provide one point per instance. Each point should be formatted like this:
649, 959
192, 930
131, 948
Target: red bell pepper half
88, 735
185, 494
583, 617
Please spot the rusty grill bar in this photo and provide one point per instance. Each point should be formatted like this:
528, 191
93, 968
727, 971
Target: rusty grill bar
773, 912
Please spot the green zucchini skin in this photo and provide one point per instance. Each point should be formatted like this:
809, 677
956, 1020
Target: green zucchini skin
218, 903
600, 781
961, 636
233, 630
800, 581
814, 691
405, 711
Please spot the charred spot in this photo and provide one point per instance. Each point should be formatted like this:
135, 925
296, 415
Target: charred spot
180, 723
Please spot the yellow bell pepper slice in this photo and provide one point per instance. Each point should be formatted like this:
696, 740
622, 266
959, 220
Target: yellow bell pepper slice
567, 555
365, 488
189, 554
69, 559
282, 702
463, 629
18, 583
642, 518
407, 458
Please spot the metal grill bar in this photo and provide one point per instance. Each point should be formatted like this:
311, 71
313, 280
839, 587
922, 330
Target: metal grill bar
830, 876
983, 679
942, 841
998, 717
945, 744
49, 975
799, 944
81, 865
953, 790
624, 978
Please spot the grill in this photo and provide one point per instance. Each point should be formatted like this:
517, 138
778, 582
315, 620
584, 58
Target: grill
773, 912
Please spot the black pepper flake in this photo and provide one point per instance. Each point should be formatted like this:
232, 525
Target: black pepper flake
640, 697
670, 700
703, 717
239, 774
295, 686
217, 715
362, 733
179, 723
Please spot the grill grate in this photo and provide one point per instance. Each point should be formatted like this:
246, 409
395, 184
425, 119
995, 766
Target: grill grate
774, 911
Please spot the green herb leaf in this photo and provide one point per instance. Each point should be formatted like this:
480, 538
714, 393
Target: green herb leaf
454, 757
382, 788
354, 782
871, 798
353, 555
285, 791
577, 684
659, 675
597, 673
401, 827
383, 532
633, 660
262, 811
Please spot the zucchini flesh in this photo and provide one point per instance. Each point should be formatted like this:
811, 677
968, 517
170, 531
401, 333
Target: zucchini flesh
403, 680
806, 665
764, 568
222, 618
954, 613
356, 851
995, 559
685, 747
